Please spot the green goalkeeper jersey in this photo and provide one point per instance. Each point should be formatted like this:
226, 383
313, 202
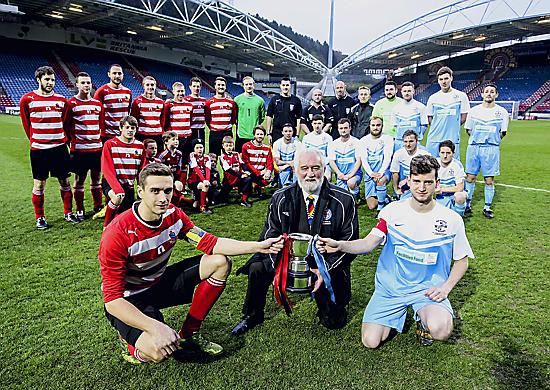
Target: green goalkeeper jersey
384, 109
250, 113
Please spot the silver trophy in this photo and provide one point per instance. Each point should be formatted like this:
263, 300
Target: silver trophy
299, 275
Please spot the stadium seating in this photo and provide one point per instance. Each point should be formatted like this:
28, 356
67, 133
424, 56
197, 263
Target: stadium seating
519, 84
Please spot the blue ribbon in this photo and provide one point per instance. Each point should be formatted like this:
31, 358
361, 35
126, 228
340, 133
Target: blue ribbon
321, 265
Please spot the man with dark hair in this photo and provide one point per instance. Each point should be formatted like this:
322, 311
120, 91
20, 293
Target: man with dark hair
283, 108
319, 140
360, 114
221, 115
421, 240
116, 100
82, 123
312, 206
450, 189
447, 110
42, 112
258, 159
410, 114
316, 107
122, 159
137, 281
198, 119
344, 159
340, 106
384, 108
284, 151
376, 150
486, 125
401, 161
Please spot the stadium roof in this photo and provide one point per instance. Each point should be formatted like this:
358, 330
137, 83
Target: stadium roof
206, 27
463, 26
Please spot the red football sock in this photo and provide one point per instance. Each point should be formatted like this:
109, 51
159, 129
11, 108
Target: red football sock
244, 197
96, 195
79, 197
38, 203
206, 294
67, 197
135, 353
176, 198
110, 213
203, 199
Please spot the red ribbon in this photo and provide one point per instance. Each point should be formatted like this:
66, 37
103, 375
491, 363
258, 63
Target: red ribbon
281, 276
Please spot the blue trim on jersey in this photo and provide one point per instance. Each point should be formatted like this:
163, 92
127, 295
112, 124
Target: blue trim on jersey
402, 237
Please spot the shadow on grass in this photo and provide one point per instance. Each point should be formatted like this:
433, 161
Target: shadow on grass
518, 369
463, 291
194, 355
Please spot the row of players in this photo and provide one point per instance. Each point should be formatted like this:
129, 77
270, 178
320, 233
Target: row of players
49, 121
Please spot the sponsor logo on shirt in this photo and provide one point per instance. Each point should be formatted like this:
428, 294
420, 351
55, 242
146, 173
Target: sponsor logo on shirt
414, 256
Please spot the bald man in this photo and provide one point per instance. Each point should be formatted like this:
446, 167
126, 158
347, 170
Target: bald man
340, 106
316, 107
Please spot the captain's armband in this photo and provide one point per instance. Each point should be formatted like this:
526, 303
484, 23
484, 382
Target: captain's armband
195, 235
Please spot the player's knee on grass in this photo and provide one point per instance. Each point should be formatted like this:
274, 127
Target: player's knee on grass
440, 327
352, 183
489, 180
372, 203
371, 339
460, 197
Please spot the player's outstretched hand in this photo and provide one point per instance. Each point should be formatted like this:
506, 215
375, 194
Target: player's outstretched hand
272, 245
437, 294
327, 245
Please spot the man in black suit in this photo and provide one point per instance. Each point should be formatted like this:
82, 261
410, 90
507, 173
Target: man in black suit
332, 213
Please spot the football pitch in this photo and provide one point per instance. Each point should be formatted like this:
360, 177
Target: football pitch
54, 335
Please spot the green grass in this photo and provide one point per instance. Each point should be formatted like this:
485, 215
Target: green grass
53, 334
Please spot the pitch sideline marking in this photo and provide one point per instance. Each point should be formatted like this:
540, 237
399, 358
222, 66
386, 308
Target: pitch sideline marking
518, 187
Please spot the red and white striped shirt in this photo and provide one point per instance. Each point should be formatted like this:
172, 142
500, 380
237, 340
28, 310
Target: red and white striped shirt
199, 167
116, 105
82, 120
257, 158
148, 112
220, 113
232, 167
121, 163
198, 119
177, 117
133, 254
42, 119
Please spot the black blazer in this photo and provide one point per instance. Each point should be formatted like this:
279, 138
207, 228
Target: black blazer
335, 217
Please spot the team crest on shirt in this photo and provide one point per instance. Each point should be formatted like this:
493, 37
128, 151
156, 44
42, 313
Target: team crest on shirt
327, 216
440, 227
172, 236
451, 172
498, 114
291, 107
455, 96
